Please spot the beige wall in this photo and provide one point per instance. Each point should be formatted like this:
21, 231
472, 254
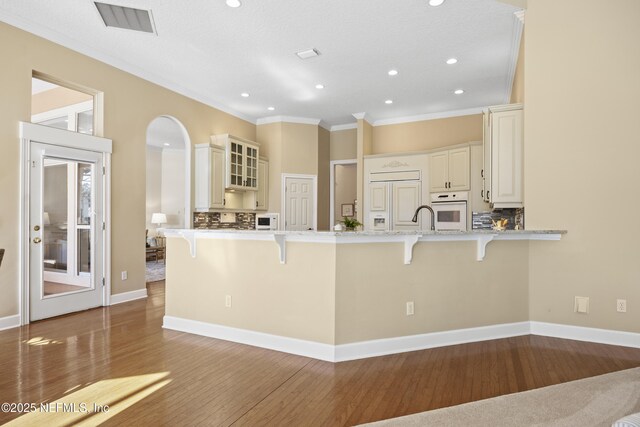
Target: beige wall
270, 138
57, 98
130, 104
582, 86
345, 188
427, 134
299, 148
517, 91
324, 195
344, 144
173, 188
269, 297
154, 186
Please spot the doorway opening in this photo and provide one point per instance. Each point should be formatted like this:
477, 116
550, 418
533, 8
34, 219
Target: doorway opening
168, 191
343, 190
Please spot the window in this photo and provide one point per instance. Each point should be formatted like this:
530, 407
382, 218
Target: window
61, 107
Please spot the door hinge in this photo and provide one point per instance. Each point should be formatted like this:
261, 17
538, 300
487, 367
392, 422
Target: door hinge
104, 226
103, 281
104, 170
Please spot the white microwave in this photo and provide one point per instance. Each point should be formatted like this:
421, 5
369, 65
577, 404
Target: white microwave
267, 221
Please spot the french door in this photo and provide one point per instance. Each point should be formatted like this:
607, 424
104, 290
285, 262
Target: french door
66, 224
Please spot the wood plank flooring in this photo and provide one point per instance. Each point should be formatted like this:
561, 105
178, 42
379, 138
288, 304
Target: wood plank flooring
193, 380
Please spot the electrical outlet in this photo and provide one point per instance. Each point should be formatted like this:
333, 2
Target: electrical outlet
227, 301
410, 308
124, 275
621, 305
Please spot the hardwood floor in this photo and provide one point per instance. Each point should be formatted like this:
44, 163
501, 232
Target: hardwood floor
163, 377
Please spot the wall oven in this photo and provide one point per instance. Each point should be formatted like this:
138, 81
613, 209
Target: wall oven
450, 210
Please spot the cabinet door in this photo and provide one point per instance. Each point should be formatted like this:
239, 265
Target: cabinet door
459, 169
217, 178
250, 181
378, 197
235, 165
506, 157
486, 161
439, 171
406, 199
262, 202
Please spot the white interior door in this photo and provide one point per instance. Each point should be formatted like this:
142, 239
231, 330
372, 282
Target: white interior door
299, 204
66, 237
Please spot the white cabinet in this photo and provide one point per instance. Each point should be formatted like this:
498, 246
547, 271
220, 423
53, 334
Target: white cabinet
259, 200
241, 162
209, 177
504, 146
406, 199
378, 197
449, 170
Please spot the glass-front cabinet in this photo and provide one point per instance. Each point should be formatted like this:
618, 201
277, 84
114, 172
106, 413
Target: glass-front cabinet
241, 162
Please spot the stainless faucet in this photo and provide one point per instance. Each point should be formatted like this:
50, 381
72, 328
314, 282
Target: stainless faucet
433, 216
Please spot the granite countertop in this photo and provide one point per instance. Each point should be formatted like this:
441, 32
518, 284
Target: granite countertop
172, 231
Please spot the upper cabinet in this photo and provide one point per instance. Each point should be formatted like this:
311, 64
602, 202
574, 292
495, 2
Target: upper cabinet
449, 170
503, 158
209, 177
241, 162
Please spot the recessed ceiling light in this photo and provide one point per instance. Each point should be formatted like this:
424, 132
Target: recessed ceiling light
234, 3
244, 95
393, 72
306, 54
388, 101
166, 144
319, 86
451, 61
435, 2
271, 108
458, 91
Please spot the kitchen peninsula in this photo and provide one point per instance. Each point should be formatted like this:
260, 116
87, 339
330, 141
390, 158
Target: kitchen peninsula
340, 296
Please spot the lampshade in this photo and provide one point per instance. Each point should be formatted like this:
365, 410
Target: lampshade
45, 218
158, 218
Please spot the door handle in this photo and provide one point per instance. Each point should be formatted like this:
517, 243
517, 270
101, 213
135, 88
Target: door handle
37, 240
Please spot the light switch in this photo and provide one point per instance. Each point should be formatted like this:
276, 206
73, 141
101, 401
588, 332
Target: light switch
582, 305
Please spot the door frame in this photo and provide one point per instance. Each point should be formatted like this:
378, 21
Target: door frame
332, 187
38, 133
283, 203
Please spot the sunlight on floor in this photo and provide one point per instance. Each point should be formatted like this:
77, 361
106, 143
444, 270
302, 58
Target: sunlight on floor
40, 341
95, 403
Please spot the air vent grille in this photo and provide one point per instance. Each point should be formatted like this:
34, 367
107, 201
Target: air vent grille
127, 18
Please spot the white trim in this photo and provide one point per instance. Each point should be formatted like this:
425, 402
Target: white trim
288, 119
520, 15
429, 116
107, 229
79, 46
363, 116
258, 339
65, 138
344, 352
128, 296
347, 126
516, 35
9, 322
283, 204
69, 111
581, 333
324, 125
332, 184
373, 348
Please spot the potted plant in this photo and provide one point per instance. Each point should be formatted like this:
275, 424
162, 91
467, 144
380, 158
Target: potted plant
350, 223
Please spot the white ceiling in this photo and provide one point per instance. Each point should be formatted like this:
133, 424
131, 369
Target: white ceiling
165, 133
211, 52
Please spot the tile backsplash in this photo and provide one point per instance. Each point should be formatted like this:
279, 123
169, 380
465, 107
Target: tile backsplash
482, 220
211, 221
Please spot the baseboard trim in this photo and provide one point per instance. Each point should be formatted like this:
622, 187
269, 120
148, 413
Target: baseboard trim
364, 349
580, 333
344, 352
128, 296
305, 348
9, 322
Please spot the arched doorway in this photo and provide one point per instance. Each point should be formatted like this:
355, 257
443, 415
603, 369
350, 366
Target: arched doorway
168, 170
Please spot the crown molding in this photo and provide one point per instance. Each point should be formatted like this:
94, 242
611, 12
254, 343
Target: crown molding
363, 116
429, 116
516, 35
346, 126
78, 46
289, 119
324, 125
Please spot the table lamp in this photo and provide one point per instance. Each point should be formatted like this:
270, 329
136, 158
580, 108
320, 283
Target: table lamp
159, 219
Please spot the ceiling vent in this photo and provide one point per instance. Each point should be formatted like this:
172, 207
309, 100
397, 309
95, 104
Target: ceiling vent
306, 54
127, 18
